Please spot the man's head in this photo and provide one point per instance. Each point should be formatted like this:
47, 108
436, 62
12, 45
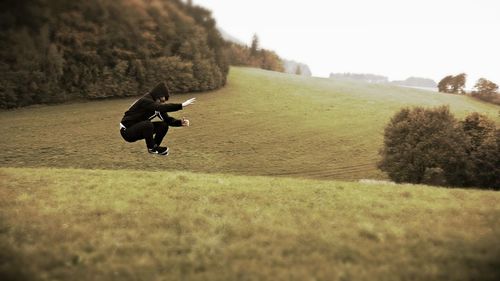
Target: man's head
160, 92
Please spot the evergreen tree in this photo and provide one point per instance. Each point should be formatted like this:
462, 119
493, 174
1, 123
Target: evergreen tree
254, 48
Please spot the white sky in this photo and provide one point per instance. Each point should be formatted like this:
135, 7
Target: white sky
395, 38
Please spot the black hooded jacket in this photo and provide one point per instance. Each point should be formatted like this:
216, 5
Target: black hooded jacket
146, 108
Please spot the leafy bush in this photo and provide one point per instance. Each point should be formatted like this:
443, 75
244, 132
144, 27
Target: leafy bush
419, 139
483, 151
487, 91
434, 176
487, 97
430, 146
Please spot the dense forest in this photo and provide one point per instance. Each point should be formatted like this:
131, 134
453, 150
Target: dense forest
58, 50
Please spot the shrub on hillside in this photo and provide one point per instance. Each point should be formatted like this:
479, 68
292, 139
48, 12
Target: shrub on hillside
483, 151
493, 98
430, 146
417, 140
487, 91
434, 176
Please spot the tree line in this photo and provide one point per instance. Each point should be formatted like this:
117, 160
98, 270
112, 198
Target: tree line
484, 89
254, 56
55, 50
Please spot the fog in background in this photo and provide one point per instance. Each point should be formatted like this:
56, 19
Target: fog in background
395, 38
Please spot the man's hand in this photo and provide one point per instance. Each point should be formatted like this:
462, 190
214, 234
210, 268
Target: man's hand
188, 102
185, 122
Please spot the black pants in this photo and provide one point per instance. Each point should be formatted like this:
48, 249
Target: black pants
145, 130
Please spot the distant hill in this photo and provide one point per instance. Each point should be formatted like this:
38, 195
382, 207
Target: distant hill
416, 82
364, 77
291, 67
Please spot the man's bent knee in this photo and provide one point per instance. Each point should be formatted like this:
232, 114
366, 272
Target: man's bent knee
160, 127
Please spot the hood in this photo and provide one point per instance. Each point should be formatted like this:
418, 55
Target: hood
160, 90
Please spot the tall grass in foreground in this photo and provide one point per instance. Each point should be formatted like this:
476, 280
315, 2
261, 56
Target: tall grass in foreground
70, 224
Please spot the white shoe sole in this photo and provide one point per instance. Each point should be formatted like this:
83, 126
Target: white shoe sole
165, 153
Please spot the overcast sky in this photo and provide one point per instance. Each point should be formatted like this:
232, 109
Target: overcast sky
395, 38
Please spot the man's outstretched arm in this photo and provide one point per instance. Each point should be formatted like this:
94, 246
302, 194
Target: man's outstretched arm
162, 107
188, 102
168, 107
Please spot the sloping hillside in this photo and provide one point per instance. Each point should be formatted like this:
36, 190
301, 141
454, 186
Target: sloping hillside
261, 123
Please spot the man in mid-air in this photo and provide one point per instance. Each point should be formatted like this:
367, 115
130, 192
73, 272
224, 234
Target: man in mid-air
137, 121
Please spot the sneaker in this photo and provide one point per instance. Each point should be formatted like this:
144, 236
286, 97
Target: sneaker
159, 150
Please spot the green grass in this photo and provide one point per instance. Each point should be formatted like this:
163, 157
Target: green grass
246, 194
261, 123
74, 224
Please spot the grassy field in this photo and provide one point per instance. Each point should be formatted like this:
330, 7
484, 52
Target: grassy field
75, 224
248, 192
261, 123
